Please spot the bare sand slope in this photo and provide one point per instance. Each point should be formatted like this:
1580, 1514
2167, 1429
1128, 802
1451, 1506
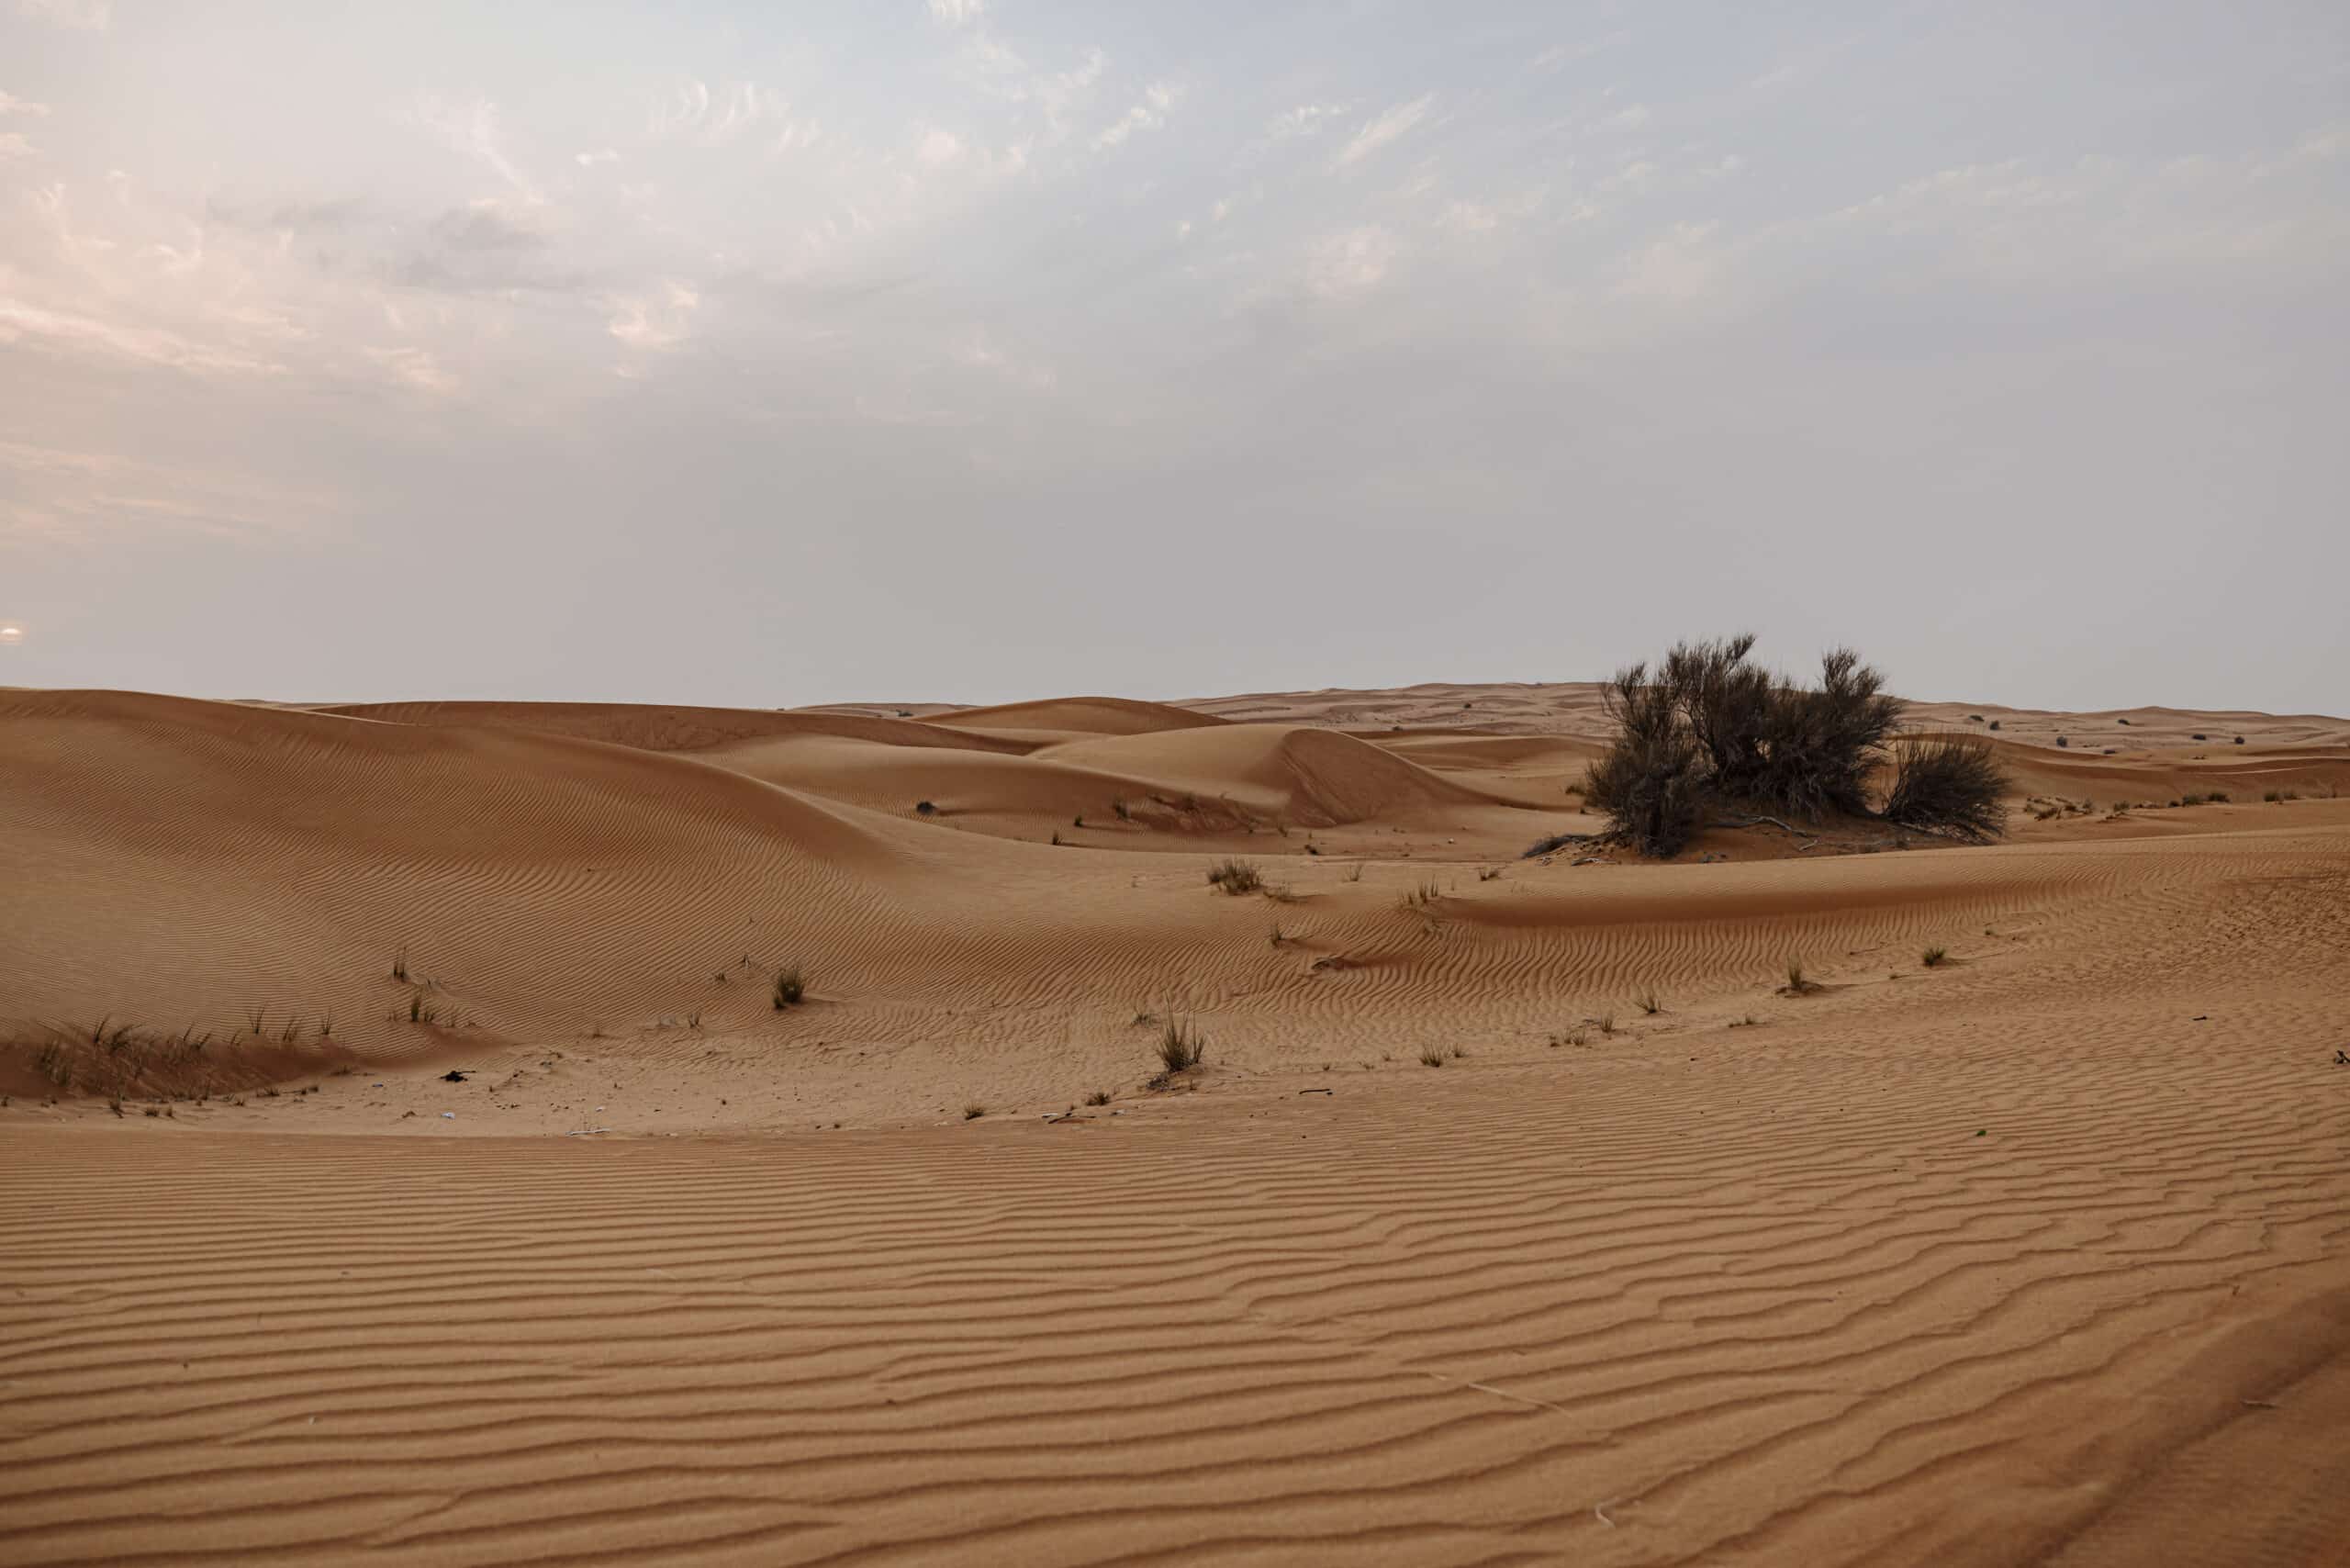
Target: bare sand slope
2039, 1252
2039, 1258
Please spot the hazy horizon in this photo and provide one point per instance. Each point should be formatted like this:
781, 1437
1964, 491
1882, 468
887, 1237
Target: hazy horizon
972, 350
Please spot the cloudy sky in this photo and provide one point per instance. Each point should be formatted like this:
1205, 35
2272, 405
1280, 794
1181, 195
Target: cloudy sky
974, 349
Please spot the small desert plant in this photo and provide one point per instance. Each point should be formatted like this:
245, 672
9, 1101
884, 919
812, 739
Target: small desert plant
1124, 813
1431, 1056
1796, 982
2190, 799
1607, 1021
1354, 872
924, 809
2239, 740
1421, 895
2278, 797
973, 1112
1181, 1047
399, 966
2202, 737
1238, 877
1577, 1035
1489, 874
2063, 742
1649, 1001
1099, 1097
2219, 798
1994, 723
790, 988
1934, 957
2121, 720
1748, 1022
1974, 718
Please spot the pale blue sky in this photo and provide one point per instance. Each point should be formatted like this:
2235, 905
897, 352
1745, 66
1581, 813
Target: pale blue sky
942, 349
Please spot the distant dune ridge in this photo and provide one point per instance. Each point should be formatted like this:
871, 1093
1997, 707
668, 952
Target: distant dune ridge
1522, 1210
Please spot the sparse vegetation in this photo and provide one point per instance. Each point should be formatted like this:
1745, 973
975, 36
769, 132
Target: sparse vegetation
399, 965
1181, 1047
1489, 873
2063, 742
1099, 1097
1994, 723
1648, 1001
1607, 1021
1934, 957
790, 988
1799, 983
1431, 1056
1238, 877
2278, 797
973, 1112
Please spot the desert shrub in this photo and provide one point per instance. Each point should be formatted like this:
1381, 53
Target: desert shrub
1974, 718
2190, 799
1796, 981
2063, 742
1238, 877
1706, 725
2239, 740
1934, 956
790, 988
1950, 783
1651, 783
2217, 797
1649, 1001
1994, 723
2201, 737
1099, 1097
973, 1112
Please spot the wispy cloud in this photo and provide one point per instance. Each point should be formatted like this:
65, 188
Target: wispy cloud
471, 127
1305, 120
957, 13
1148, 114
12, 104
1383, 130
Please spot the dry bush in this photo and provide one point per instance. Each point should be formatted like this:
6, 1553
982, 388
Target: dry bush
1949, 784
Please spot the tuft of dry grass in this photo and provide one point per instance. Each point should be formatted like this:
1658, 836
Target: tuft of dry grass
1934, 956
974, 1111
1181, 1045
1238, 877
1648, 1001
1099, 1097
1431, 1057
790, 988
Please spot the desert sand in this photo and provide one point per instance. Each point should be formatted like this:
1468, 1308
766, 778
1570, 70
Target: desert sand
405, 1158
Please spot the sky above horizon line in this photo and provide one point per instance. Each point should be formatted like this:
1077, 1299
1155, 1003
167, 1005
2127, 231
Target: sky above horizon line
980, 350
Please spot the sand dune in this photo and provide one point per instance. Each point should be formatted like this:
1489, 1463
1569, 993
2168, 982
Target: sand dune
2034, 1253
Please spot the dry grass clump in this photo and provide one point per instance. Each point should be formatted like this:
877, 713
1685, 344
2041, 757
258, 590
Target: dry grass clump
1798, 983
790, 988
1431, 1056
1934, 957
1648, 1001
1181, 1047
1099, 1097
1238, 877
974, 1111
